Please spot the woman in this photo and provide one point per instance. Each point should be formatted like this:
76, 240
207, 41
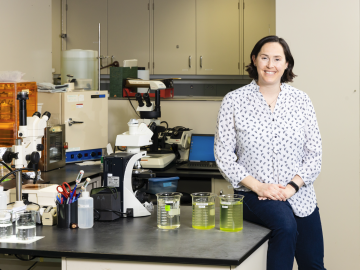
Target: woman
268, 146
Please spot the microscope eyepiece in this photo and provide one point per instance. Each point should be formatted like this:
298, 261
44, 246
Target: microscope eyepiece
139, 99
37, 114
47, 114
147, 99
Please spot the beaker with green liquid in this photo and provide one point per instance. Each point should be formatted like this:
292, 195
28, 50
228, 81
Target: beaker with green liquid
168, 210
203, 210
231, 212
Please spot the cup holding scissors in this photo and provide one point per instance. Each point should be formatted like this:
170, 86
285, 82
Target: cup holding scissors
64, 190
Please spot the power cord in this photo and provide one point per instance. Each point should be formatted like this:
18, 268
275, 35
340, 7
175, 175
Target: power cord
132, 104
26, 202
32, 267
6, 166
167, 125
120, 214
18, 170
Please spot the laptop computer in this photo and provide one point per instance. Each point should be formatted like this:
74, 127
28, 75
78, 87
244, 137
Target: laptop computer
201, 156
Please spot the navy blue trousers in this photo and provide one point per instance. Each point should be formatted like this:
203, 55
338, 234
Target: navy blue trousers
291, 236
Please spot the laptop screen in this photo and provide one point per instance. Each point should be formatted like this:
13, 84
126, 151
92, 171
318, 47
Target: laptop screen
202, 148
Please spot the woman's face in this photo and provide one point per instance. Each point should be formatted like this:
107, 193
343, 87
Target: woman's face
270, 64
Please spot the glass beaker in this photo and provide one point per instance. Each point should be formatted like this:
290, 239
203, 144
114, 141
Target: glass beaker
168, 210
6, 228
26, 225
231, 212
203, 210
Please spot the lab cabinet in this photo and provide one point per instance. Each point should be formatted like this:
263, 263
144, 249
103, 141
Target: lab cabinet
188, 37
129, 31
218, 37
174, 37
75, 264
82, 19
259, 22
197, 37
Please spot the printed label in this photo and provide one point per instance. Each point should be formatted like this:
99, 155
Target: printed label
227, 203
83, 206
81, 97
71, 149
72, 98
114, 181
202, 204
225, 206
79, 106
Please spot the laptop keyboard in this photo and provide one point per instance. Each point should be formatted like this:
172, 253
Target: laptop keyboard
205, 165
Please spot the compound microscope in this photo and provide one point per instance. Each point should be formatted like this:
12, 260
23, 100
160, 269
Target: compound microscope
26, 152
178, 138
123, 170
119, 169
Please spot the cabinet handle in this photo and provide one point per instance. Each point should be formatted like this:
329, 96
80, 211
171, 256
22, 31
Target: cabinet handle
71, 122
200, 61
189, 61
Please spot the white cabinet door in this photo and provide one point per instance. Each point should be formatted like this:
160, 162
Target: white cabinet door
129, 31
88, 264
83, 18
174, 37
218, 37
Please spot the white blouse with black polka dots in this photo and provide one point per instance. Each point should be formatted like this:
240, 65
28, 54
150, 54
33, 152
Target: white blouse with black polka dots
272, 147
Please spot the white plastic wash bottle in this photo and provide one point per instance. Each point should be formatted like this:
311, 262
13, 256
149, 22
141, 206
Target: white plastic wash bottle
85, 211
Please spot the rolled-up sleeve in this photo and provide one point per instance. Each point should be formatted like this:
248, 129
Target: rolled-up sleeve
225, 144
311, 164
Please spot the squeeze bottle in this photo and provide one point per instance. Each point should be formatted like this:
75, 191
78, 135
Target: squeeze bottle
85, 211
3, 199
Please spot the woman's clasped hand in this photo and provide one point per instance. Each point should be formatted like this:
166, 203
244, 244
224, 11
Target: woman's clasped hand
274, 192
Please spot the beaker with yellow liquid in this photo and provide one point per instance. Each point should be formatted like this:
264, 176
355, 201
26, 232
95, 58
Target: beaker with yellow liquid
168, 210
203, 210
231, 212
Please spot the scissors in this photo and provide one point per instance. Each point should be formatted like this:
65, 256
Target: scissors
63, 190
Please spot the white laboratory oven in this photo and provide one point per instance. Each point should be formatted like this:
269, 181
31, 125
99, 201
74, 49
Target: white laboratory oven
85, 115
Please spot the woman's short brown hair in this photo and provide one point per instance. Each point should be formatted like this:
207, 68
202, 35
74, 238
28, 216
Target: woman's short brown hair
288, 75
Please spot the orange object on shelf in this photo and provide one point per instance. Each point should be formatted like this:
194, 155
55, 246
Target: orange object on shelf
9, 109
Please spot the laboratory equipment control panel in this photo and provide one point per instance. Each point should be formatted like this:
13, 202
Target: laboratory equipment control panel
84, 155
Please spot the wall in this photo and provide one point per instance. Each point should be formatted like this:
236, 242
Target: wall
25, 28
324, 38
55, 35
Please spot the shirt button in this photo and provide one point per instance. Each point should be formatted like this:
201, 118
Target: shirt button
275, 136
273, 119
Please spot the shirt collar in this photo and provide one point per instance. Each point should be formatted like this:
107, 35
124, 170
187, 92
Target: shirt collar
257, 87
